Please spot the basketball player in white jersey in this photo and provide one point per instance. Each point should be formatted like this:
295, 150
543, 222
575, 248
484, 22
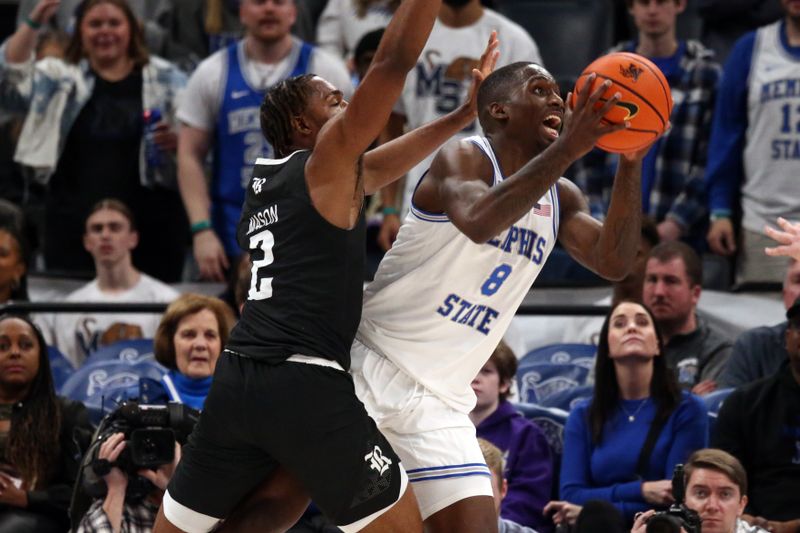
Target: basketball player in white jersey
482, 223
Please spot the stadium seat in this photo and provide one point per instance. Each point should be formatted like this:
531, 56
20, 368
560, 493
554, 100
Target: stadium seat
568, 398
569, 33
579, 354
550, 420
131, 350
537, 382
714, 403
60, 367
102, 385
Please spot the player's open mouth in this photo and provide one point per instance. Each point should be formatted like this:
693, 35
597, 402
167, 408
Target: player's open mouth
552, 124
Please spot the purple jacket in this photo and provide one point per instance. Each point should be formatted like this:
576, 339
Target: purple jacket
529, 465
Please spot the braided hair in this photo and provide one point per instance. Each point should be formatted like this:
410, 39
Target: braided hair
284, 101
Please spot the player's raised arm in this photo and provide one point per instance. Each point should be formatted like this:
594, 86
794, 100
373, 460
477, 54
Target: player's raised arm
331, 172
459, 179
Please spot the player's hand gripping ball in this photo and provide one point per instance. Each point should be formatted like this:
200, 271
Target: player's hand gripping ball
646, 99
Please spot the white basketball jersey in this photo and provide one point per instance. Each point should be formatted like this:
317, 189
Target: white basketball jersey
772, 149
440, 303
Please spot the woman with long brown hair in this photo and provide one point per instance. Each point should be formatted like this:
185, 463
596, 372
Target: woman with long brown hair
622, 445
39, 434
91, 130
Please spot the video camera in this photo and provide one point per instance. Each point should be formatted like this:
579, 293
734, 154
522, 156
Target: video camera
678, 515
150, 435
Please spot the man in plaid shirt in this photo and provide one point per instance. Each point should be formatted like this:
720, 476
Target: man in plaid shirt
672, 173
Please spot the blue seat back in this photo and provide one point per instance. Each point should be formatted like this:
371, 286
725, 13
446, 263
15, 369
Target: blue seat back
537, 382
579, 354
60, 367
102, 385
550, 420
131, 350
567, 399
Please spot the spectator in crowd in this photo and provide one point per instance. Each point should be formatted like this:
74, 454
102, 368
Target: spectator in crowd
623, 444
528, 476
755, 145
672, 288
41, 435
365, 51
715, 488
198, 28
221, 109
110, 237
148, 13
116, 513
188, 341
760, 352
724, 21
84, 136
759, 424
344, 22
672, 171
441, 79
15, 254
496, 463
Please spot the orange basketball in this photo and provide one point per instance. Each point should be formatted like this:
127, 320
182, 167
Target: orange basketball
646, 99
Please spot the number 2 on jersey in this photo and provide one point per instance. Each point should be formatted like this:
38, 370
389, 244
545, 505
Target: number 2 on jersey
261, 288
495, 280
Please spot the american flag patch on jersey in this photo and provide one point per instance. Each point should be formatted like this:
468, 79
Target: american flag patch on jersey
542, 210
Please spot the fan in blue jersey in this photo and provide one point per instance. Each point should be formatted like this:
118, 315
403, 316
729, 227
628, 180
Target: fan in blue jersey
282, 422
220, 114
754, 151
483, 220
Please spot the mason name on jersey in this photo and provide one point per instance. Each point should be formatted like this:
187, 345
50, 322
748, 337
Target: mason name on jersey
788, 90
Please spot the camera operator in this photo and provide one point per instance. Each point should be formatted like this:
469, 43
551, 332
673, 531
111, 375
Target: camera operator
113, 513
716, 489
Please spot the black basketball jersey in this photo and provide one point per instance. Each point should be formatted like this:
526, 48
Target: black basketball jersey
307, 276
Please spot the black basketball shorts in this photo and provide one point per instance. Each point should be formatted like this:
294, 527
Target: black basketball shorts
304, 417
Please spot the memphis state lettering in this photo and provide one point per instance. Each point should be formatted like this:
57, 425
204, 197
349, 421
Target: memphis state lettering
787, 90
479, 316
523, 241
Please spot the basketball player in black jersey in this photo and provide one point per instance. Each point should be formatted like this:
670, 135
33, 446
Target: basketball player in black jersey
282, 422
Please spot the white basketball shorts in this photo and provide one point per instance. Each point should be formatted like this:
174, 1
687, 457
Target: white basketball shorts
435, 442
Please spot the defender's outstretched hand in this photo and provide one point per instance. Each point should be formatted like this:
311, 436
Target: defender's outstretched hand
788, 237
485, 67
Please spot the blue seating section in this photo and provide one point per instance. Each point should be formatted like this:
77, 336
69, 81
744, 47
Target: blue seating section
131, 350
102, 385
60, 367
568, 398
537, 382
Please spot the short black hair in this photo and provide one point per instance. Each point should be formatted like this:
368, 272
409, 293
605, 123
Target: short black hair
497, 86
284, 101
368, 43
